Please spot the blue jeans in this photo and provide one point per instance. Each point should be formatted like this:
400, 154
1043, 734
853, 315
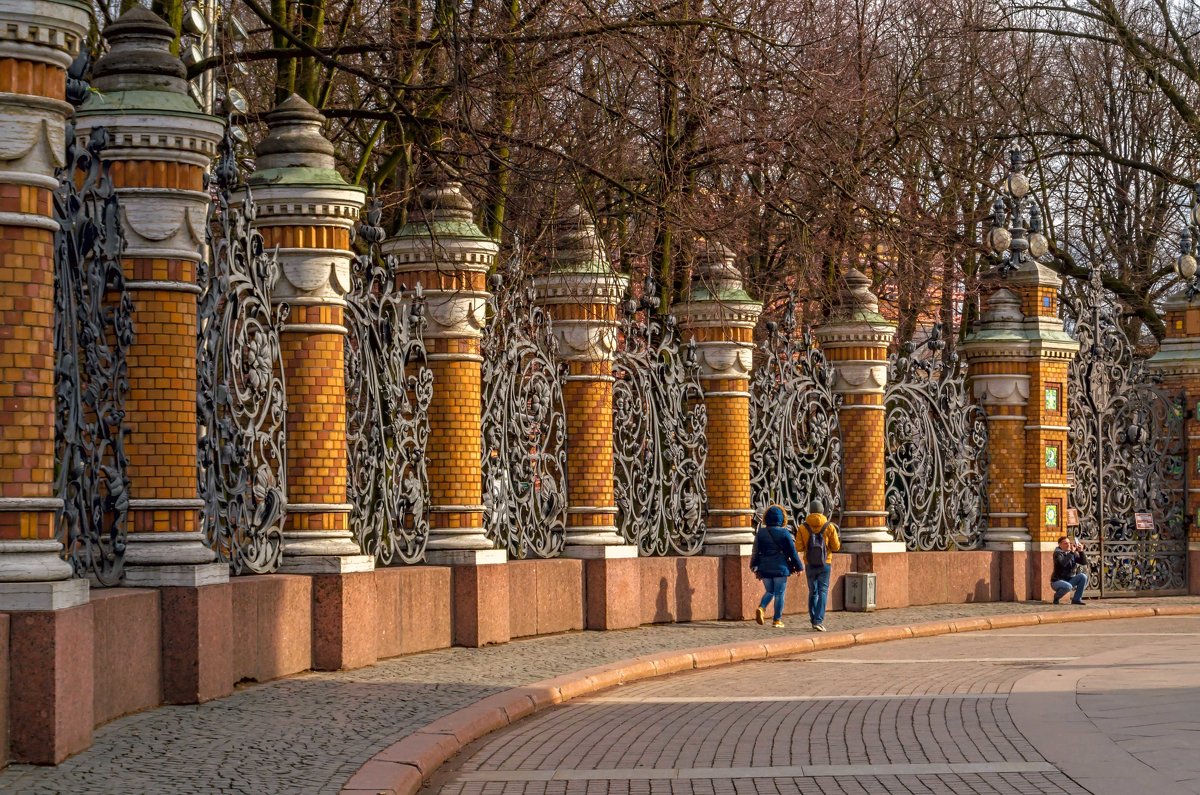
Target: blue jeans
774, 587
1078, 582
818, 591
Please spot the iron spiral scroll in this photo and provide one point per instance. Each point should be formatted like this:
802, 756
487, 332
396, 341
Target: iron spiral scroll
524, 422
241, 399
1127, 453
93, 331
795, 437
388, 390
935, 481
659, 427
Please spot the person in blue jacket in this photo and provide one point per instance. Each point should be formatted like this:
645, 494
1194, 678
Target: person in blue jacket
773, 560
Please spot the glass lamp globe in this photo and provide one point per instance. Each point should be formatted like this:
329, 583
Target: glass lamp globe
1018, 184
999, 239
1185, 266
1038, 245
1196, 213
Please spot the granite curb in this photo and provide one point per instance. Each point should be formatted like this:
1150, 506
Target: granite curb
401, 768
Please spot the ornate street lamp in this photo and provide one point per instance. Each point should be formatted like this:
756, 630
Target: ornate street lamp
1022, 240
1185, 263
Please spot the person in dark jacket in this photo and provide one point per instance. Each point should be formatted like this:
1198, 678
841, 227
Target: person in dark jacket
773, 560
1067, 560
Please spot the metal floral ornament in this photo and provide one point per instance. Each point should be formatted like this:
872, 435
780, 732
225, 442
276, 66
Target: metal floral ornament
93, 331
1021, 241
524, 422
659, 426
241, 402
388, 390
795, 437
935, 472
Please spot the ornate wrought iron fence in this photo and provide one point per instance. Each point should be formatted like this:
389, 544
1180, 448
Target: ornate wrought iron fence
659, 425
524, 423
93, 330
795, 438
388, 390
1126, 454
936, 451
241, 401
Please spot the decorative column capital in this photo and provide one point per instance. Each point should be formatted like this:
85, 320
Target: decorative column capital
443, 250
856, 338
305, 203
584, 290
43, 31
719, 315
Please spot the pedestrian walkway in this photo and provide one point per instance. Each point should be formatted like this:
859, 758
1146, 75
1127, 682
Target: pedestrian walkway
311, 733
977, 712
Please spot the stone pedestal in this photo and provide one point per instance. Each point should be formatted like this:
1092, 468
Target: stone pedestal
343, 623
613, 592
197, 643
305, 212
161, 145
480, 603
41, 39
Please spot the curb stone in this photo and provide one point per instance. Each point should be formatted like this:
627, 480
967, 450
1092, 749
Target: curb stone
401, 768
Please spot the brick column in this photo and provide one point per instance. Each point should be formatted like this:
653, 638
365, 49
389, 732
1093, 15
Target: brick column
161, 146
305, 211
855, 340
581, 293
49, 629
39, 41
1178, 361
720, 316
443, 250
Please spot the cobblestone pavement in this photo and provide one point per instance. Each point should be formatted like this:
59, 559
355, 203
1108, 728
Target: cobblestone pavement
310, 733
927, 715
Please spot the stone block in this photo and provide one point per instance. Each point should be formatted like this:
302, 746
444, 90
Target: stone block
697, 588
891, 576
343, 618
740, 589
928, 578
127, 656
414, 609
197, 643
1041, 566
559, 599
613, 590
657, 586
972, 576
843, 564
1014, 574
480, 604
50, 713
272, 626
4, 663
1194, 571
522, 598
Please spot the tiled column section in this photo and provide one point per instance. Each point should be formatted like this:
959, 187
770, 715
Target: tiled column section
1178, 360
720, 316
161, 146
581, 293
441, 249
38, 40
855, 341
305, 210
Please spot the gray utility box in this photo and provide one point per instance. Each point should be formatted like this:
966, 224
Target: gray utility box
860, 591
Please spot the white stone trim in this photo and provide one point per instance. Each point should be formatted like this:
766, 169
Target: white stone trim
29, 221
144, 135
1047, 428
585, 340
154, 504
42, 30
158, 284
29, 504
313, 328
1062, 486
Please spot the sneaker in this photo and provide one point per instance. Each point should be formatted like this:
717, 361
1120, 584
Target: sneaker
1076, 601
760, 616
819, 627
778, 625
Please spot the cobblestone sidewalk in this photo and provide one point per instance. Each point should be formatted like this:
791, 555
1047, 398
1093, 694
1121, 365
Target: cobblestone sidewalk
310, 733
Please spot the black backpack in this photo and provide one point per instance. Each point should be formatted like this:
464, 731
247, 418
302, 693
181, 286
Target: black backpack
815, 553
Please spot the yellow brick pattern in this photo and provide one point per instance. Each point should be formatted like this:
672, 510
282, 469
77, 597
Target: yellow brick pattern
455, 446
727, 467
863, 461
588, 405
1045, 373
335, 237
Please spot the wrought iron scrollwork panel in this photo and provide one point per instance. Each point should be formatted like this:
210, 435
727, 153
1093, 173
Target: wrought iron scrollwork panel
659, 427
93, 331
241, 401
388, 390
795, 437
524, 423
1127, 452
935, 457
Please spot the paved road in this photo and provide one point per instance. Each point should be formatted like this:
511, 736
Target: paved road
1111, 708
308, 734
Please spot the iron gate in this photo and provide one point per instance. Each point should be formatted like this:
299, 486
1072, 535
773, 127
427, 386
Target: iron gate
1126, 453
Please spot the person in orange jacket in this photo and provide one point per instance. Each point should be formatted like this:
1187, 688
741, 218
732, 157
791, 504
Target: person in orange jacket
817, 538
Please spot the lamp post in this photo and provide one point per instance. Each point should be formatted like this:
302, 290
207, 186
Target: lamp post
1185, 263
1022, 240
